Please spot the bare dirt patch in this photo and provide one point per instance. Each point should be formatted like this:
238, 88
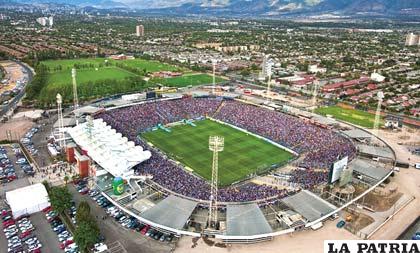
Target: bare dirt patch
359, 220
379, 201
18, 128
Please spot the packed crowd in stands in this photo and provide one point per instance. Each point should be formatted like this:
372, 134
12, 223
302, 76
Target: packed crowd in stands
308, 178
320, 147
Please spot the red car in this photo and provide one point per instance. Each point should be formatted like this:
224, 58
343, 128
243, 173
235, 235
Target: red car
144, 230
47, 209
12, 177
52, 218
84, 191
5, 212
8, 223
36, 251
65, 244
24, 234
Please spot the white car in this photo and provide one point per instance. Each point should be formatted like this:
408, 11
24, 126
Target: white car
35, 246
70, 247
21, 160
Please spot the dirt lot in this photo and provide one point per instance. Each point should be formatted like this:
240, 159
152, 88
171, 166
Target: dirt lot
18, 127
379, 202
13, 72
359, 220
408, 181
303, 241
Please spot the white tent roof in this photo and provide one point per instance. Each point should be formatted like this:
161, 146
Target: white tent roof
26, 199
109, 149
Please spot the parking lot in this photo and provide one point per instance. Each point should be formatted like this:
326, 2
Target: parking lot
45, 234
131, 240
42, 229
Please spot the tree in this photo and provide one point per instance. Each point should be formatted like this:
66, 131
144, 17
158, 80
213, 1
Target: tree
86, 234
60, 198
66, 179
245, 72
82, 212
47, 185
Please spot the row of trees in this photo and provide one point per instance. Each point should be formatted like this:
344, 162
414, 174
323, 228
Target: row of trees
34, 57
86, 232
38, 82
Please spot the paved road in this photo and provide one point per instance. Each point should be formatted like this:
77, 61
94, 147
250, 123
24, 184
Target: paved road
18, 97
113, 231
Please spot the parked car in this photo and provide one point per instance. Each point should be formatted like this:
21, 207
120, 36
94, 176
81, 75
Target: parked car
341, 224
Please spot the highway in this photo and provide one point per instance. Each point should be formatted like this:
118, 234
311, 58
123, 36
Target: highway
15, 100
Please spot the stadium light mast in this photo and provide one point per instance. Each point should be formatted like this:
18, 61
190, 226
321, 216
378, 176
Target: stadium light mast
216, 144
378, 113
213, 62
314, 95
75, 96
61, 137
268, 89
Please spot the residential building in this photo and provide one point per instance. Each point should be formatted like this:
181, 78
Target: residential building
140, 31
412, 40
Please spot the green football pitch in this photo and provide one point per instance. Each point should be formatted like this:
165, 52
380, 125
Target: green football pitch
148, 65
187, 80
243, 154
357, 117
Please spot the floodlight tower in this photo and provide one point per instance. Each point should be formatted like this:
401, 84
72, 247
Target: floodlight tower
216, 144
61, 137
89, 125
75, 97
315, 94
268, 88
213, 63
378, 113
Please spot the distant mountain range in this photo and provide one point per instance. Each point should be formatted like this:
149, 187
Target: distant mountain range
251, 7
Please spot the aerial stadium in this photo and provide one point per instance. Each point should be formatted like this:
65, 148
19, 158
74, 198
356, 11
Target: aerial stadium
226, 168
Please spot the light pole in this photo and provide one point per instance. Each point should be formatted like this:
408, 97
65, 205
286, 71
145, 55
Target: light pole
216, 144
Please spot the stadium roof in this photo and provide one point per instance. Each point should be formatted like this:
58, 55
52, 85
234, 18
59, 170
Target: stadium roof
246, 220
375, 151
324, 120
367, 168
172, 212
109, 149
309, 205
87, 110
357, 134
67, 122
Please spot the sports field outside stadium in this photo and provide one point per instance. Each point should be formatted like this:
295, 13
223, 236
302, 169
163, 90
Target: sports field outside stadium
243, 154
357, 117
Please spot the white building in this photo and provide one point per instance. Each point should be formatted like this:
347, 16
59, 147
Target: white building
412, 40
266, 68
51, 21
315, 69
27, 200
45, 21
377, 77
139, 30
